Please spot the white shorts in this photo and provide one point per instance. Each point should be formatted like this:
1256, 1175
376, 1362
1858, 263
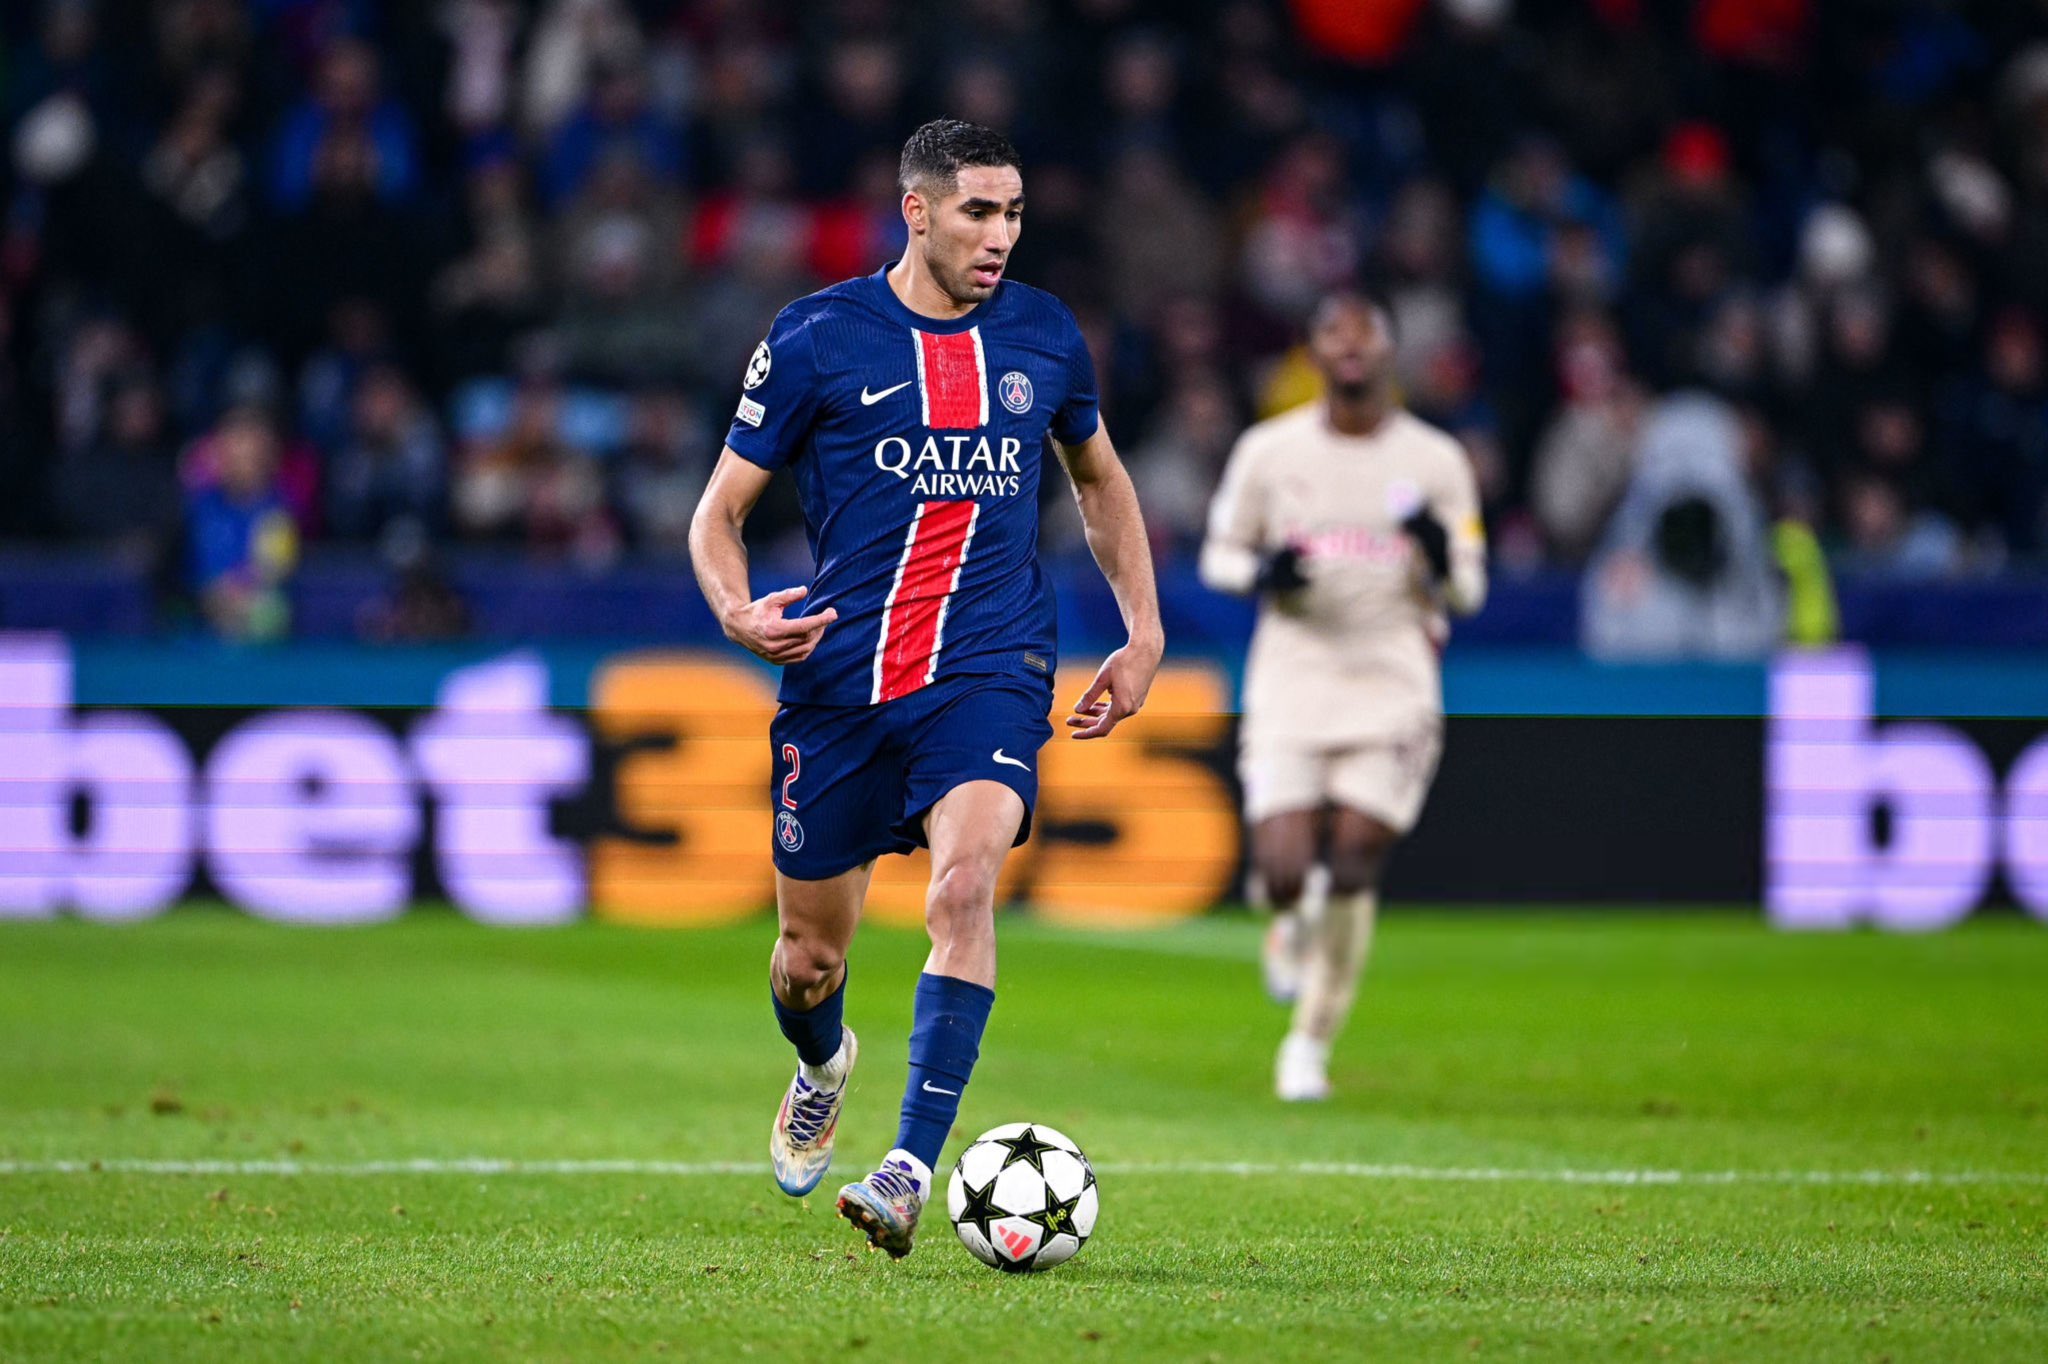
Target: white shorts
1387, 779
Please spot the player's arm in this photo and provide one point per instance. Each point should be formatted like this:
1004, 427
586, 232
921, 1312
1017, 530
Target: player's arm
1116, 537
720, 558
1451, 537
1234, 557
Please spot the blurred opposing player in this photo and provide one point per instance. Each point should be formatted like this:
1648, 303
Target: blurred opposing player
1358, 526
913, 407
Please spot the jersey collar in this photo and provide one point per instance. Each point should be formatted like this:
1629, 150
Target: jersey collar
886, 299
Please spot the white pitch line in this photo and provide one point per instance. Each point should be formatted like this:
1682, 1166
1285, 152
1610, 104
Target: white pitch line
1446, 1174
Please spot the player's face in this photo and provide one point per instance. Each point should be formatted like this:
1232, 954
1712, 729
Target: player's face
1351, 346
969, 233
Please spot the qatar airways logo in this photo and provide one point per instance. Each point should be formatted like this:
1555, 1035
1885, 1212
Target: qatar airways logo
954, 466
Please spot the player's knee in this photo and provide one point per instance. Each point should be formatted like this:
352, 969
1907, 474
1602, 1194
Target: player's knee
1353, 873
809, 966
1285, 878
962, 900
1357, 860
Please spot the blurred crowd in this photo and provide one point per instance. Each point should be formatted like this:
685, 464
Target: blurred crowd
279, 273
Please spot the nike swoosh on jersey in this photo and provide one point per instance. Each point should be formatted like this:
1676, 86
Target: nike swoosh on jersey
1003, 757
868, 399
932, 1088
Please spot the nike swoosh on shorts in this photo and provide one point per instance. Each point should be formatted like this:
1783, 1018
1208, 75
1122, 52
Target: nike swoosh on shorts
1003, 757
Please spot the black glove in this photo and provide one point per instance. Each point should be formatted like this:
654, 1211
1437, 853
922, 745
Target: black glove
1432, 539
1280, 571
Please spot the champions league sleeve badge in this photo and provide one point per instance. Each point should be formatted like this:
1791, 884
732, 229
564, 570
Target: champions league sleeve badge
1015, 391
757, 368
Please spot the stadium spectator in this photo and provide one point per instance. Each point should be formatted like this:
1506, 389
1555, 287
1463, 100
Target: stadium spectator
1587, 457
661, 472
358, 340
387, 477
1177, 464
482, 301
2000, 427
1886, 537
242, 542
525, 484
119, 494
345, 244
1155, 226
346, 102
1685, 568
613, 124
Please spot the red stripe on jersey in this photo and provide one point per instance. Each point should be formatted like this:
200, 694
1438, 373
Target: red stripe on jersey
955, 386
914, 617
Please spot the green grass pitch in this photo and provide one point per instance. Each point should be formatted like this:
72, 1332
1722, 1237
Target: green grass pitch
1558, 1136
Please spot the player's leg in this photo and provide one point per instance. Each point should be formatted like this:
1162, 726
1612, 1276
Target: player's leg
807, 982
971, 830
1293, 885
1283, 787
972, 756
827, 773
1377, 792
1339, 943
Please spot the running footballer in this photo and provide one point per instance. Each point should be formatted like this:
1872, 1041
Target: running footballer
913, 407
1357, 526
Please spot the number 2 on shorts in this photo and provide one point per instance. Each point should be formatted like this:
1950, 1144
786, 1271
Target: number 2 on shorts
796, 766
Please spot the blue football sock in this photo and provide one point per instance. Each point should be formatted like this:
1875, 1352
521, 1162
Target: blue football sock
814, 1031
945, 1041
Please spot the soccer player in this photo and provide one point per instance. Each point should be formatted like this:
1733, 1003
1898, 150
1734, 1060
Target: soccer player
912, 406
1357, 525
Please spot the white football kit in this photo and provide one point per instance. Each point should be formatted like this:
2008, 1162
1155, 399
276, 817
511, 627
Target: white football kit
1343, 698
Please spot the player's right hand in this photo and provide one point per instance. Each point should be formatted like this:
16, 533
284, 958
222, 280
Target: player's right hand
761, 628
1280, 571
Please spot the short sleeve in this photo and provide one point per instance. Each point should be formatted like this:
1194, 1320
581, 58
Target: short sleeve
778, 394
1077, 417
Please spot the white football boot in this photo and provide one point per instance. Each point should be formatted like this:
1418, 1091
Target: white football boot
800, 1143
1282, 953
1301, 1072
887, 1204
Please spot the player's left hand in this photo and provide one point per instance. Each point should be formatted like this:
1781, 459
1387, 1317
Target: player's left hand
1432, 540
1117, 693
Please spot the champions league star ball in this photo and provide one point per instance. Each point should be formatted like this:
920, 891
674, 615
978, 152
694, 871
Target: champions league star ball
1022, 1198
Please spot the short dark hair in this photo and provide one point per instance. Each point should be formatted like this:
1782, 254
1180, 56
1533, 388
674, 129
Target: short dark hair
937, 152
1354, 296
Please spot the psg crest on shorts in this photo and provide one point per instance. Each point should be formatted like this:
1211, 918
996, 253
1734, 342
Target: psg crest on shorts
757, 368
788, 832
1015, 391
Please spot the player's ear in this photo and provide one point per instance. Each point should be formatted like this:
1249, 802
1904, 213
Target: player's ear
916, 212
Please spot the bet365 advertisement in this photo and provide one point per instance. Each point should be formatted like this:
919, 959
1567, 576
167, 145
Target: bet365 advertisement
642, 795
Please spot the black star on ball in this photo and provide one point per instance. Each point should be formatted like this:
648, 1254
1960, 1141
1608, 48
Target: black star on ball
1056, 1216
981, 1209
1025, 1146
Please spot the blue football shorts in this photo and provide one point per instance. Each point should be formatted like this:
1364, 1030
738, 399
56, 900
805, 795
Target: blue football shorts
854, 782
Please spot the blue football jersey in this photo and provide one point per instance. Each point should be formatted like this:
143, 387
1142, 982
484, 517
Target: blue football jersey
917, 446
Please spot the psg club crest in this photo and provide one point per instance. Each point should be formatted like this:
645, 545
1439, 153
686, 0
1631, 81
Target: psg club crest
1015, 391
788, 832
757, 368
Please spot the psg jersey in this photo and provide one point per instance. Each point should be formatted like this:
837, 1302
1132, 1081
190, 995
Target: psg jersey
917, 445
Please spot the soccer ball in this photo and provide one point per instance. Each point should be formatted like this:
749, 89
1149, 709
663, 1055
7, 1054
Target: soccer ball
1022, 1198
